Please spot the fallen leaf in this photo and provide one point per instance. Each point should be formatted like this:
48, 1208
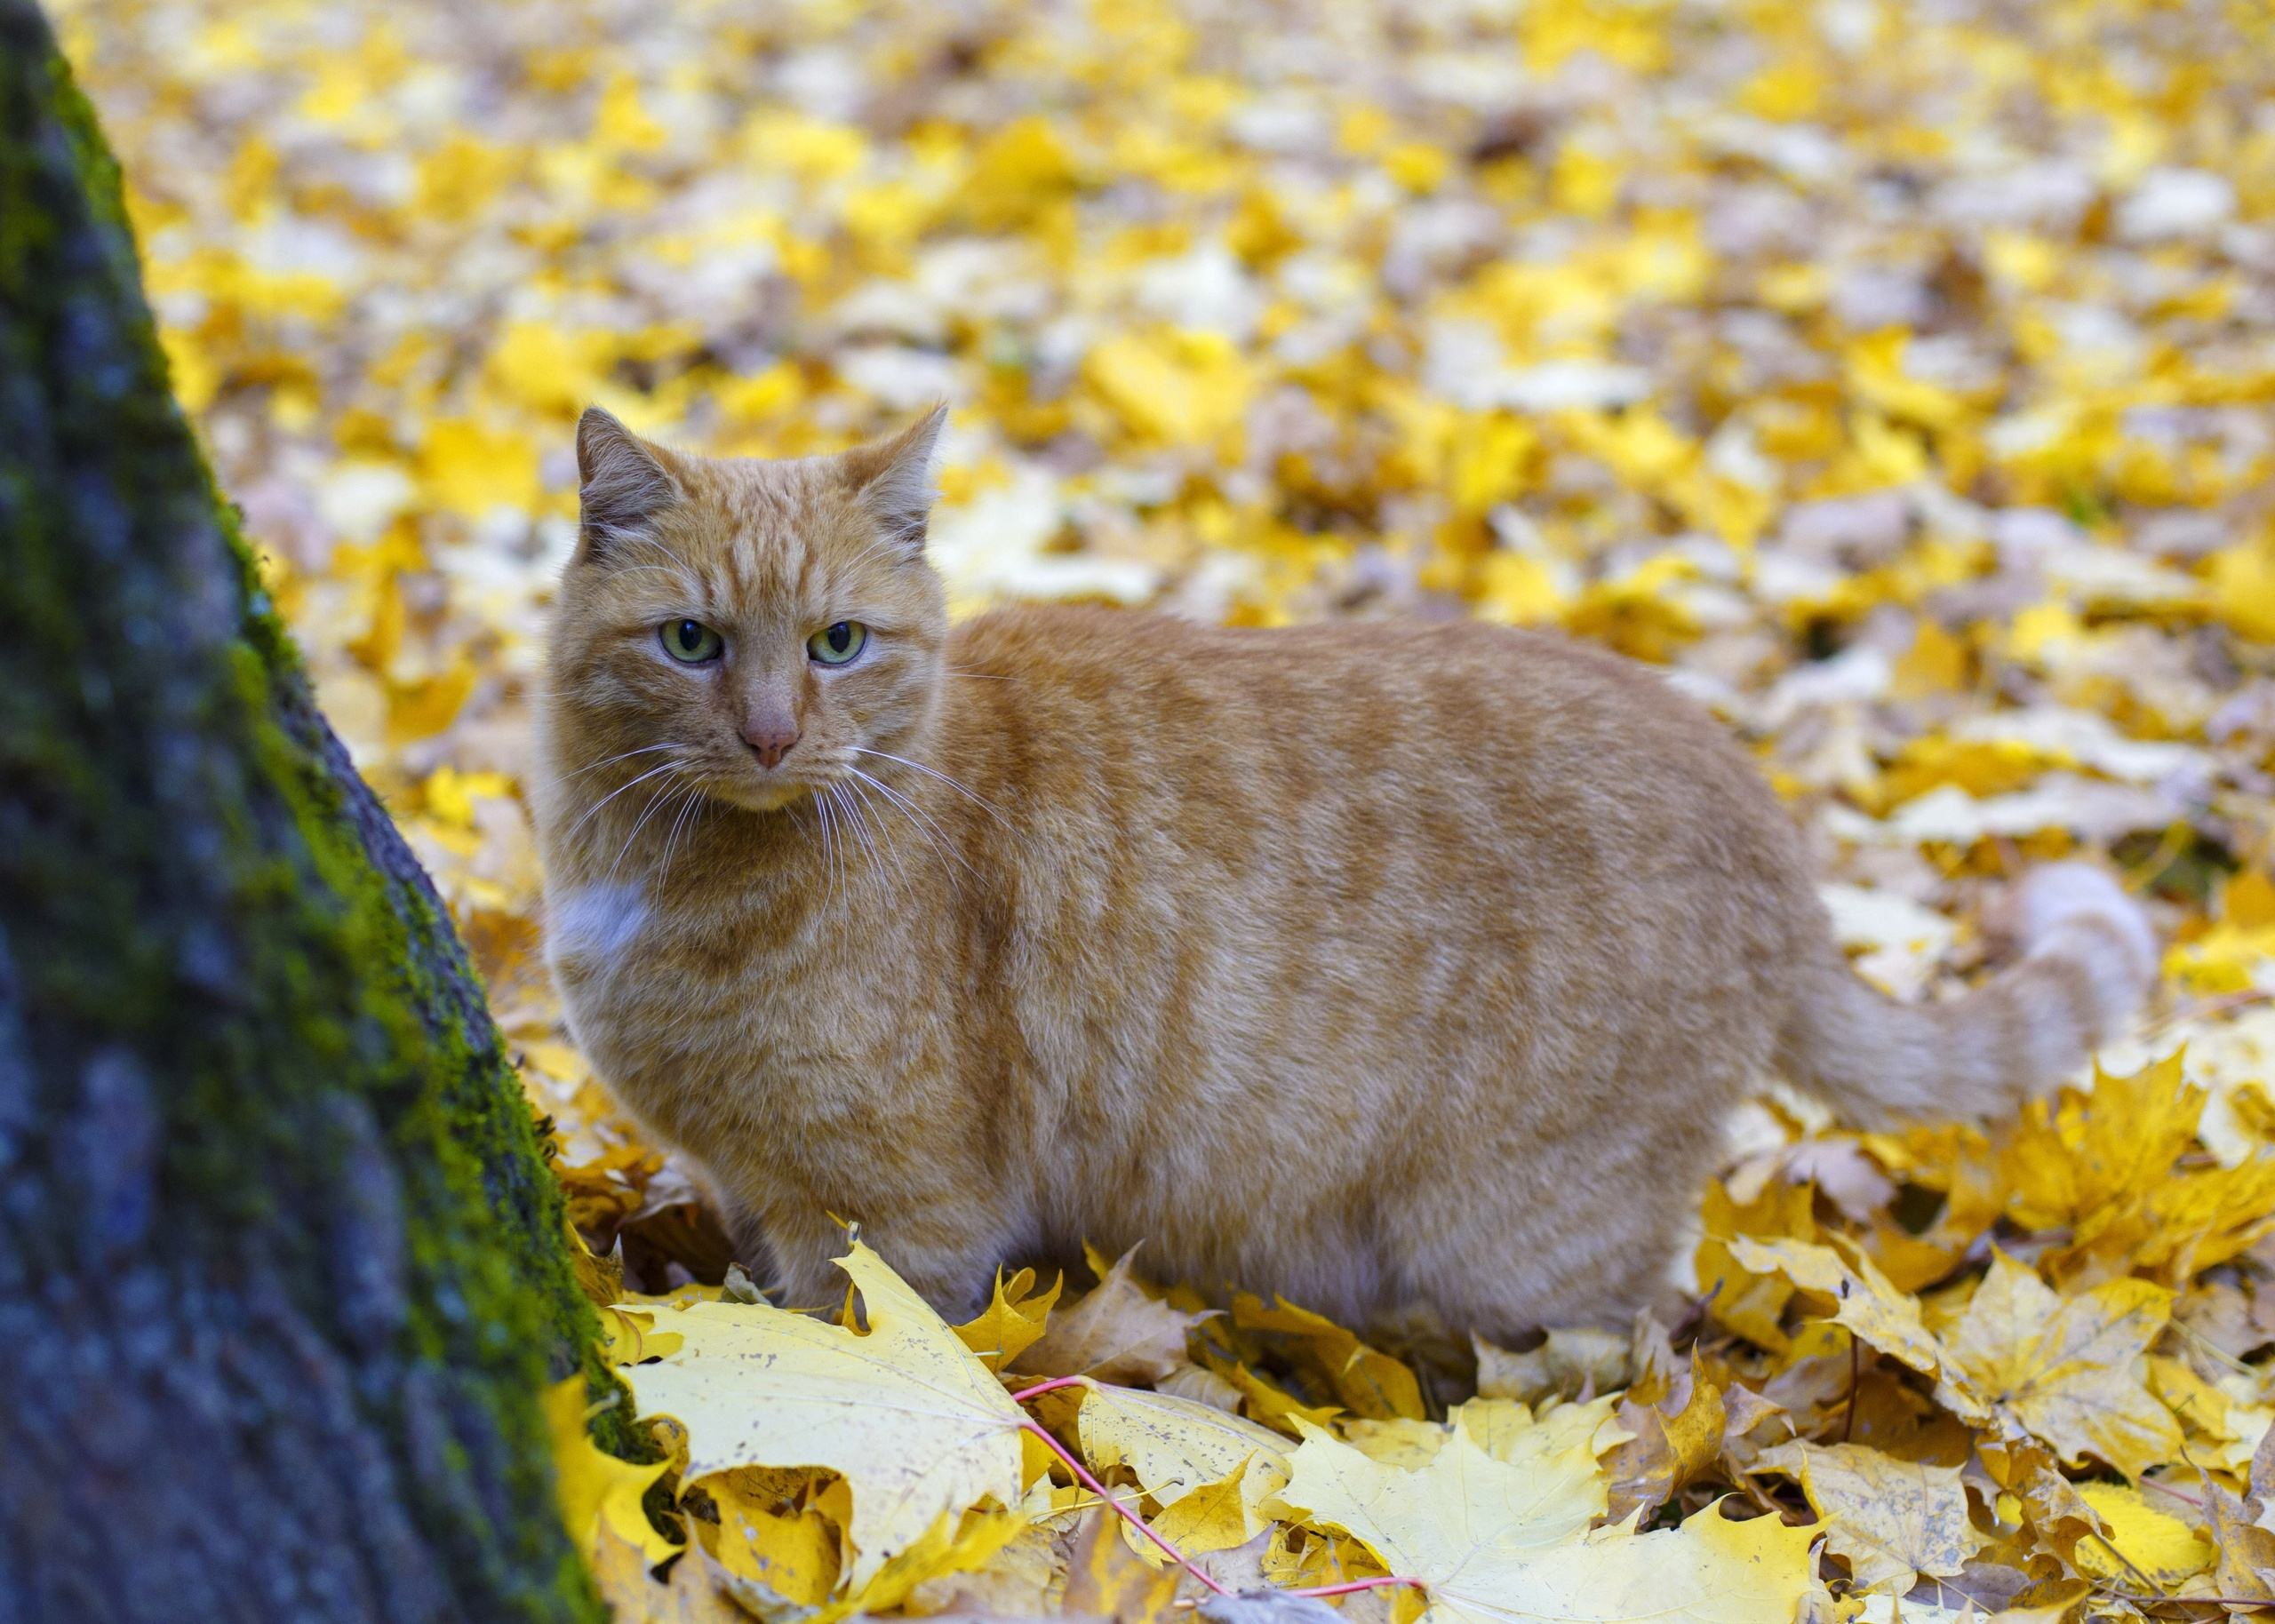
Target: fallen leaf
2154, 1541
1670, 1444
1895, 1522
1368, 1382
1104, 1578
1266, 1400
1408, 1443
1219, 1516
2064, 1370
630, 1337
1500, 1543
1865, 1302
778, 1556
1171, 1445
597, 1490
1017, 1580
2245, 1567
692, 1595
1115, 1333
2078, 1153
917, 1426
1514, 1435
1012, 1323
1568, 1363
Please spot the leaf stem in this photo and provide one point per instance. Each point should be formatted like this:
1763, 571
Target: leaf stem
1139, 1523
1124, 1512
1024, 1394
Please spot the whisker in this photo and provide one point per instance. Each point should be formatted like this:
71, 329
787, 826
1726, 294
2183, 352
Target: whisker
692, 803
860, 826
991, 810
612, 794
934, 835
872, 835
827, 823
663, 797
612, 761
891, 848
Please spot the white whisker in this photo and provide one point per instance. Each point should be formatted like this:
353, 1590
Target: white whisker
612, 794
663, 797
934, 835
872, 835
984, 806
860, 826
693, 803
610, 761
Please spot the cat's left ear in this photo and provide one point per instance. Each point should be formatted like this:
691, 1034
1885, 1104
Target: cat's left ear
893, 478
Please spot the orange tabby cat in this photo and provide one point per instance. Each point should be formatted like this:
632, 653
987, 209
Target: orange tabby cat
1376, 964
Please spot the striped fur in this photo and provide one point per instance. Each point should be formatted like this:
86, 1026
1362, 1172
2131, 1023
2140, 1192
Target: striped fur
1376, 964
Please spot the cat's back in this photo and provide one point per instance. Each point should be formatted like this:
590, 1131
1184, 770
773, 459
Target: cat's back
1420, 720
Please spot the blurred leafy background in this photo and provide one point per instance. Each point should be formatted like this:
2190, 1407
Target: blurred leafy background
1896, 375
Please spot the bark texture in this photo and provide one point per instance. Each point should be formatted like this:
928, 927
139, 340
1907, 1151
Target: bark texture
281, 1269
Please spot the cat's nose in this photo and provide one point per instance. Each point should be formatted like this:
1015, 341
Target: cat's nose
770, 738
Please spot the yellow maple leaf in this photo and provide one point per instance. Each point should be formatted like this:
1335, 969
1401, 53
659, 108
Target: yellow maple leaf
919, 1428
774, 1549
1866, 1304
1495, 1543
2060, 1370
2081, 1152
1170, 1445
1012, 1322
1370, 1382
1217, 1516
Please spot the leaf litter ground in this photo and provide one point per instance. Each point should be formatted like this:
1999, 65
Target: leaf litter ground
1896, 376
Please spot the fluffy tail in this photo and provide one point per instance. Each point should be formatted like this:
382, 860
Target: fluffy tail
2088, 955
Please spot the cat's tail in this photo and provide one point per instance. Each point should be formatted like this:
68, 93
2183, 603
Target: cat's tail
2089, 955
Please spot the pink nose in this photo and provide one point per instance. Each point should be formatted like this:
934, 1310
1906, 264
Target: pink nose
770, 741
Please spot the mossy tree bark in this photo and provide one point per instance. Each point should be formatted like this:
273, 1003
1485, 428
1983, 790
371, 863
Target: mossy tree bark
281, 1272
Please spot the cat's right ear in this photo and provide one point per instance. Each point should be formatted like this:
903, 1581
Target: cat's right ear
622, 484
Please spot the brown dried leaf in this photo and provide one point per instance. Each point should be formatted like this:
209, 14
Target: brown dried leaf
694, 1594
1116, 1334
1675, 1441
2247, 1550
1106, 1577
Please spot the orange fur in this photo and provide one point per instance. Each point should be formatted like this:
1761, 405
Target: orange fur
1376, 964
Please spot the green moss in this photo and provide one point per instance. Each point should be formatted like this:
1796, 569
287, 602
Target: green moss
198, 878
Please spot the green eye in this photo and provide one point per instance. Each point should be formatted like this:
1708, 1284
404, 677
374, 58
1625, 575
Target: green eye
837, 644
690, 642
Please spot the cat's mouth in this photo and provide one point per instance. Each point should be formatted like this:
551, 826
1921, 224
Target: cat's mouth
764, 789
770, 793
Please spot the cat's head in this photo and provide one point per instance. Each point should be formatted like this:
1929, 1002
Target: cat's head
743, 626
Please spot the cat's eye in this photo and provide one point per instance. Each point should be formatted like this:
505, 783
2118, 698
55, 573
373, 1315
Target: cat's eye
835, 645
690, 642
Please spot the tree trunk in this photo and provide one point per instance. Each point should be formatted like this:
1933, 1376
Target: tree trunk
282, 1271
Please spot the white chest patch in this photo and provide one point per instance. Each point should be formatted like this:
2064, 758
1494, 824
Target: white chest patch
594, 927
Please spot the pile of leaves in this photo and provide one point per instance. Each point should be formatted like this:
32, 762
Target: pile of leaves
1894, 374
2012, 1373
